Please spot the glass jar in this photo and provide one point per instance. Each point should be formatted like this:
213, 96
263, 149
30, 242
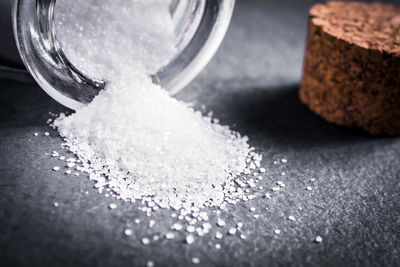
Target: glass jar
200, 26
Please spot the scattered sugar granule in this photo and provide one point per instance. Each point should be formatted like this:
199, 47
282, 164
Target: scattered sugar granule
150, 264
207, 225
68, 172
145, 241
309, 188
277, 231
156, 237
76, 173
219, 235
152, 223
239, 225
291, 218
312, 180
284, 160
169, 235
54, 154
112, 206
46, 133
275, 188
177, 226
128, 232
232, 231
267, 195
70, 164
256, 216
217, 246
35, 134
283, 173
62, 158
189, 239
221, 223
318, 239
56, 168
191, 229
137, 221
242, 236
252, 209
195, 260
262, 170
56, 204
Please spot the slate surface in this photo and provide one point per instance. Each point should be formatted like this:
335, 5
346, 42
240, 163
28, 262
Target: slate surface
251, 83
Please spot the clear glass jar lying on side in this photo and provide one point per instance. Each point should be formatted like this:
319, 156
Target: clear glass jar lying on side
200, 26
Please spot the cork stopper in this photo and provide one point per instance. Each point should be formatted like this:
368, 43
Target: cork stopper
351, 74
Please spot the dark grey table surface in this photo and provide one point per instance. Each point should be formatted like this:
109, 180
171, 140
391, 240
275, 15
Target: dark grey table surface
252, 84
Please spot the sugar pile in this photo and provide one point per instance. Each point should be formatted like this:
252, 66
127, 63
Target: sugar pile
133, 138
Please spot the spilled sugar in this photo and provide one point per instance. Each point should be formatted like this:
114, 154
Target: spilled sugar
133, 138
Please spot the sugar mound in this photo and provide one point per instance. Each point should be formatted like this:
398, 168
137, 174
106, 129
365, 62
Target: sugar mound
134, 138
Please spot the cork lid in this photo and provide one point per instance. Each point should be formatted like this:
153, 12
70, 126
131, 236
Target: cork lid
369, 25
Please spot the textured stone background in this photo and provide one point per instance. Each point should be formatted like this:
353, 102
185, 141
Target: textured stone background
251, 83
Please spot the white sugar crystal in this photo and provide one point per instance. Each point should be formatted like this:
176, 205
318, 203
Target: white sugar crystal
232, 231
56, 168
35, 134
46, 133
309, 188
150, 264
189, 239
112, 206
217, 246
152, 223
169, 235
128, 232
70, 164
219, 235
68, 172
242, 236
284, 160
277, 232
291, 218
318, 239
220, 222
56, 204
262, 170
191, 229
195, 260
177, 226
145, 241
199, 231
137, 221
